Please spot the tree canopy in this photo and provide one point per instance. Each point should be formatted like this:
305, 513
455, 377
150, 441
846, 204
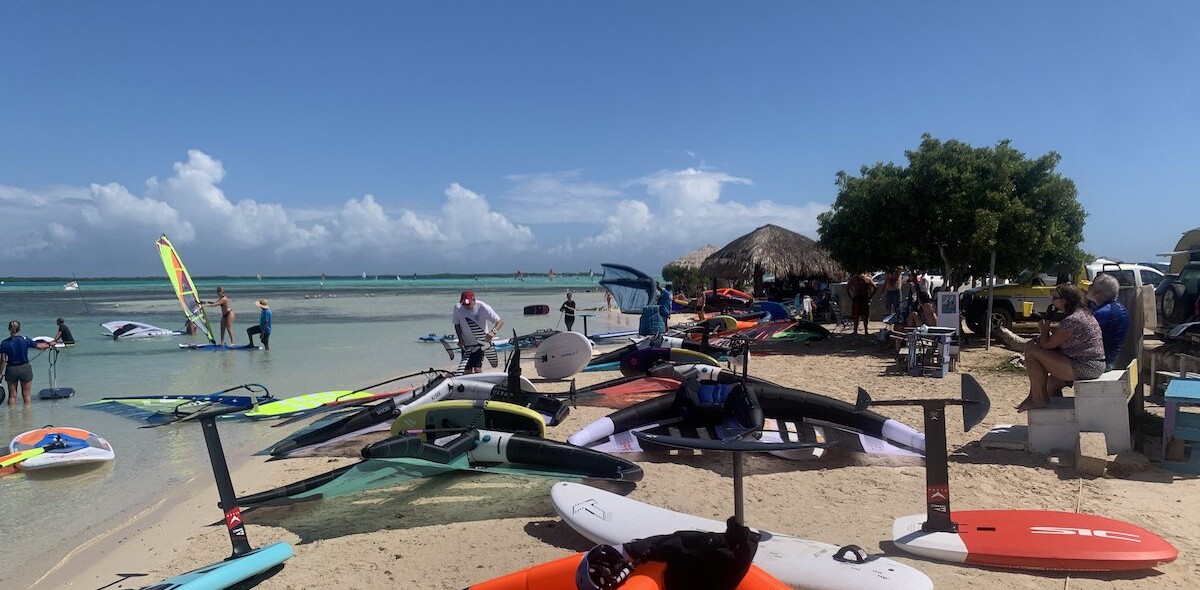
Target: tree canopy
951, 207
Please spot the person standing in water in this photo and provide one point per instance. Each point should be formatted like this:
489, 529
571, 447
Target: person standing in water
568, 310
264, 325
14, 362
481, 314
227, 316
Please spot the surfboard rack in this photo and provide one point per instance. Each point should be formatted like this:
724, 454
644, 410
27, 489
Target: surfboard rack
975, 404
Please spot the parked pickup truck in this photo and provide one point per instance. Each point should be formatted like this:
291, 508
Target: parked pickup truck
1008, 305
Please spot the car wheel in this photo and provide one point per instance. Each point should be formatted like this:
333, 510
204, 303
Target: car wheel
1001, 318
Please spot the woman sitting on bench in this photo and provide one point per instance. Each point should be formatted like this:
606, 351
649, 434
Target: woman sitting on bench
1071, 351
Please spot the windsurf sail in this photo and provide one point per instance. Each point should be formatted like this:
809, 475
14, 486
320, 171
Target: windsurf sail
185, 289
404, 457
125, 330
631, 288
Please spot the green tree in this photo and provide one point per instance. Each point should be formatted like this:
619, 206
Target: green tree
683, 279
951, 207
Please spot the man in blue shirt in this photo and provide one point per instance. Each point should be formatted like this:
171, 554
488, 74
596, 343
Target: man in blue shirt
664, 303
1110, 314
14, 362
264, 325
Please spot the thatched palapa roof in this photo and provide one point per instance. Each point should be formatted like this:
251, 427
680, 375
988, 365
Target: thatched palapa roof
695, 258
772, 249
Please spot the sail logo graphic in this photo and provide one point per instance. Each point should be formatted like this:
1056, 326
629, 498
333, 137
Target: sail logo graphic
1102, 534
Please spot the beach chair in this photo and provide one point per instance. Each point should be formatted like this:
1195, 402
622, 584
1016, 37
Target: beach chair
844, 321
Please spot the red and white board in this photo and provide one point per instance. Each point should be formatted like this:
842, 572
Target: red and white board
1036, 540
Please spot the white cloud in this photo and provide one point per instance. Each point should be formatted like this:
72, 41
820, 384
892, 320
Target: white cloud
558, 197
108, 229
681, 191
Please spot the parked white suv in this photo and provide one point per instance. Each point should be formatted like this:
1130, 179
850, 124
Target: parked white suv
1124, 273
935, 280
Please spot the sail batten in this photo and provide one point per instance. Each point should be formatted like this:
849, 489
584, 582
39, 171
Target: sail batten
185, 289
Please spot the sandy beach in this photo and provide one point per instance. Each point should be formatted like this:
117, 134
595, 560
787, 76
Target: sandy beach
450, 532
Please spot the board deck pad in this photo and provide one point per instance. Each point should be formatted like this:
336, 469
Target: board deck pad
562, 355
604, 517
1036, 539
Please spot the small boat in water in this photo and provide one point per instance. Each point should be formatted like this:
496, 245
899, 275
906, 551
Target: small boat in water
71, 286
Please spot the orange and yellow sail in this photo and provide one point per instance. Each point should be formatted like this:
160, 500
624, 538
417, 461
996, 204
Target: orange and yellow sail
185, 289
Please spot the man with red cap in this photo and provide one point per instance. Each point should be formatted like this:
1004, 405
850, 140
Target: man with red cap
468, 311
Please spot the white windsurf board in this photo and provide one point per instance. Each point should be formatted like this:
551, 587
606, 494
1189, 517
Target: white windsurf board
604, 517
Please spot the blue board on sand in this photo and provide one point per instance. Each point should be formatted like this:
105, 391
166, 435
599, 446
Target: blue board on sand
218, 347
226, 573
246, 561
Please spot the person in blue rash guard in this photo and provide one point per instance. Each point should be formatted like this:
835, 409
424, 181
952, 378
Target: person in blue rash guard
14, 362
664, 303
263, 329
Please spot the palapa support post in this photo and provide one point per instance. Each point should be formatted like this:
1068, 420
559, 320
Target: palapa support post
975, 404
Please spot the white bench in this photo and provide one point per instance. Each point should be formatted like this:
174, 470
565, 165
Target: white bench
1099, 405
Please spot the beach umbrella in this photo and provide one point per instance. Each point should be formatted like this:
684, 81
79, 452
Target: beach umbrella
772, 249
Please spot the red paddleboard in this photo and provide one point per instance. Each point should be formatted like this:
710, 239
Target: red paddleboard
1036, 540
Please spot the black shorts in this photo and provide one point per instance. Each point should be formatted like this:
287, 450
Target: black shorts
266, 336
18, 373
474, 358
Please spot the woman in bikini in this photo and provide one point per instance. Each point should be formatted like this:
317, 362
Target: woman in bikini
226, 314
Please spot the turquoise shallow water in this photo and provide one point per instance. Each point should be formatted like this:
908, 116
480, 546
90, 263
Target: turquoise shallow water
356, 334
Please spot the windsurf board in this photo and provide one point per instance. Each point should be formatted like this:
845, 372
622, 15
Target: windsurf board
604, 517
225, 574
79, 447
1036, 539
562, 355
56, 393
219, 347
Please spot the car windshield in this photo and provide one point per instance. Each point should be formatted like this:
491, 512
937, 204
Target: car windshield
1024, 277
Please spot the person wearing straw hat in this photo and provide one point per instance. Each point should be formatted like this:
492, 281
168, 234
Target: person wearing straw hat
263, 328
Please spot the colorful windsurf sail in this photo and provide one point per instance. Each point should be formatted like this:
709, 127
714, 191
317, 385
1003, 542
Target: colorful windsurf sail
185, 289
631, 288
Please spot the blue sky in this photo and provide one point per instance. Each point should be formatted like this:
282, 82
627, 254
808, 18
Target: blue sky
398, 137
